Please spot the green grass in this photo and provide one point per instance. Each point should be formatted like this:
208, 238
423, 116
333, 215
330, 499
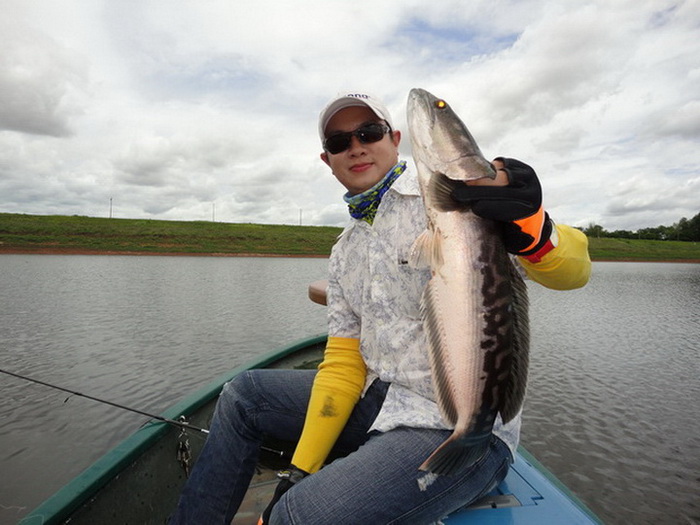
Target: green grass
642, 250
58, 233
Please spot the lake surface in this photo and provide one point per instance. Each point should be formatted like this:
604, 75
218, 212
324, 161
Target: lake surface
613, 405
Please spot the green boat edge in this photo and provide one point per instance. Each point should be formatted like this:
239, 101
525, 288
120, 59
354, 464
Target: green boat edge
59, 507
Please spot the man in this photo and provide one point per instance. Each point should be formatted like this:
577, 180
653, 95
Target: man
372, 395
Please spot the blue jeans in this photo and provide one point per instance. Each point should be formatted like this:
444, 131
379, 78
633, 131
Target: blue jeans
378, 483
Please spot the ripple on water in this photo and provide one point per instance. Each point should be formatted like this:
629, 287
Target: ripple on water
611, 405
612, 397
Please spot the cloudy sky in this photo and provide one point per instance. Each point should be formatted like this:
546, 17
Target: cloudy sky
201, 110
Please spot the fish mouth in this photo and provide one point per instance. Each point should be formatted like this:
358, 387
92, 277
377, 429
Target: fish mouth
418, 102
440, 139
421, 122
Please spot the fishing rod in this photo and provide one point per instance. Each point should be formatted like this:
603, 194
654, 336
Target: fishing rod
180, 424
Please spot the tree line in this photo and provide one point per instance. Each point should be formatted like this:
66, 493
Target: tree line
683, 230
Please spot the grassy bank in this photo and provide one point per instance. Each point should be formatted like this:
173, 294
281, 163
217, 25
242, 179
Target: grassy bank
63, 234
643, 250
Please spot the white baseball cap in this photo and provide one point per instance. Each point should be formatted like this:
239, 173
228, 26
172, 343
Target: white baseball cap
346, 100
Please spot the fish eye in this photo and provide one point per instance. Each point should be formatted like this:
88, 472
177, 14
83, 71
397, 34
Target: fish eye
440, 104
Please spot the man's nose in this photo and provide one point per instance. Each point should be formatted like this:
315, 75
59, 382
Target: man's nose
355, 145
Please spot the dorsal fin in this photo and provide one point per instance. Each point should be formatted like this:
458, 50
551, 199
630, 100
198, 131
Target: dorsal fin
514, 396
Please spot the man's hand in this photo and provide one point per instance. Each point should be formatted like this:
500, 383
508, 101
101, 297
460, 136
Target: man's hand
514, 198
287, 480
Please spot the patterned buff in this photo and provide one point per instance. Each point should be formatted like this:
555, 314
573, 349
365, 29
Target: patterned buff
364, 205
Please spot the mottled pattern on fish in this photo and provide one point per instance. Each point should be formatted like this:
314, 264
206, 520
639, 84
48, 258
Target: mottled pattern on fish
475, 305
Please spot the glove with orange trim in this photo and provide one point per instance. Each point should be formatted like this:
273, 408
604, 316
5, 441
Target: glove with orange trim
527, 228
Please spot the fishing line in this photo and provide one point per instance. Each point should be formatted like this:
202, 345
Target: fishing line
180, 424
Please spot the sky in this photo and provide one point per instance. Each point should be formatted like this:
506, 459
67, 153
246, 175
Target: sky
207, 109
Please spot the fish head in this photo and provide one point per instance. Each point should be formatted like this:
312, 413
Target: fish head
441, 142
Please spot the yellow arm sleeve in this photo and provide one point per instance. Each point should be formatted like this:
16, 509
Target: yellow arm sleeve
336, 389
567, 266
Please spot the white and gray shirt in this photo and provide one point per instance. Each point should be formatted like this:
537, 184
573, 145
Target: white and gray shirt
374, 295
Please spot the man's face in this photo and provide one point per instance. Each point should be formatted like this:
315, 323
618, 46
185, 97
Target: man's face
361, 166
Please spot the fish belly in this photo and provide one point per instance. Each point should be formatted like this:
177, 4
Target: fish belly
468, 320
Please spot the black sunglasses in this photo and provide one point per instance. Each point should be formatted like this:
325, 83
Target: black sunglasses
366, 134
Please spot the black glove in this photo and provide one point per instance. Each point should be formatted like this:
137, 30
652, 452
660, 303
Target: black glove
526, 226
287, 480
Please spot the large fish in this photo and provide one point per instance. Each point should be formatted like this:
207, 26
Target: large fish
475, 305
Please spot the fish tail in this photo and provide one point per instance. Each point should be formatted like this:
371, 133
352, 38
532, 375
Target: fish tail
457, 452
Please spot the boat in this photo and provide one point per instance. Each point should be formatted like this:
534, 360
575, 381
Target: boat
138, 481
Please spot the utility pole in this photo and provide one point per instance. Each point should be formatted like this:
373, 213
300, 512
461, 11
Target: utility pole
110, 207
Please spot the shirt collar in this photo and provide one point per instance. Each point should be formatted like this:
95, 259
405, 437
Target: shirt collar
406, 184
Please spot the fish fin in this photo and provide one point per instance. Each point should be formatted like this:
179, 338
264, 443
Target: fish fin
426, 251
420, 253
440, 190
434, 329
457, 452
514, 395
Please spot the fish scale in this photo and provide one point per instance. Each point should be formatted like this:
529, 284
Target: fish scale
474, 307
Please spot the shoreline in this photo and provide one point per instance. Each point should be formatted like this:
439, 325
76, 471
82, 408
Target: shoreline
686, 261
81, 251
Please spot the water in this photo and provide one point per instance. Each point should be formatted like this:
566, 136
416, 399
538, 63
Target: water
612, 404
140, 331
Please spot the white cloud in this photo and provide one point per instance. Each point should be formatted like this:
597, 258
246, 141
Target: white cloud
40, 81
183, 109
